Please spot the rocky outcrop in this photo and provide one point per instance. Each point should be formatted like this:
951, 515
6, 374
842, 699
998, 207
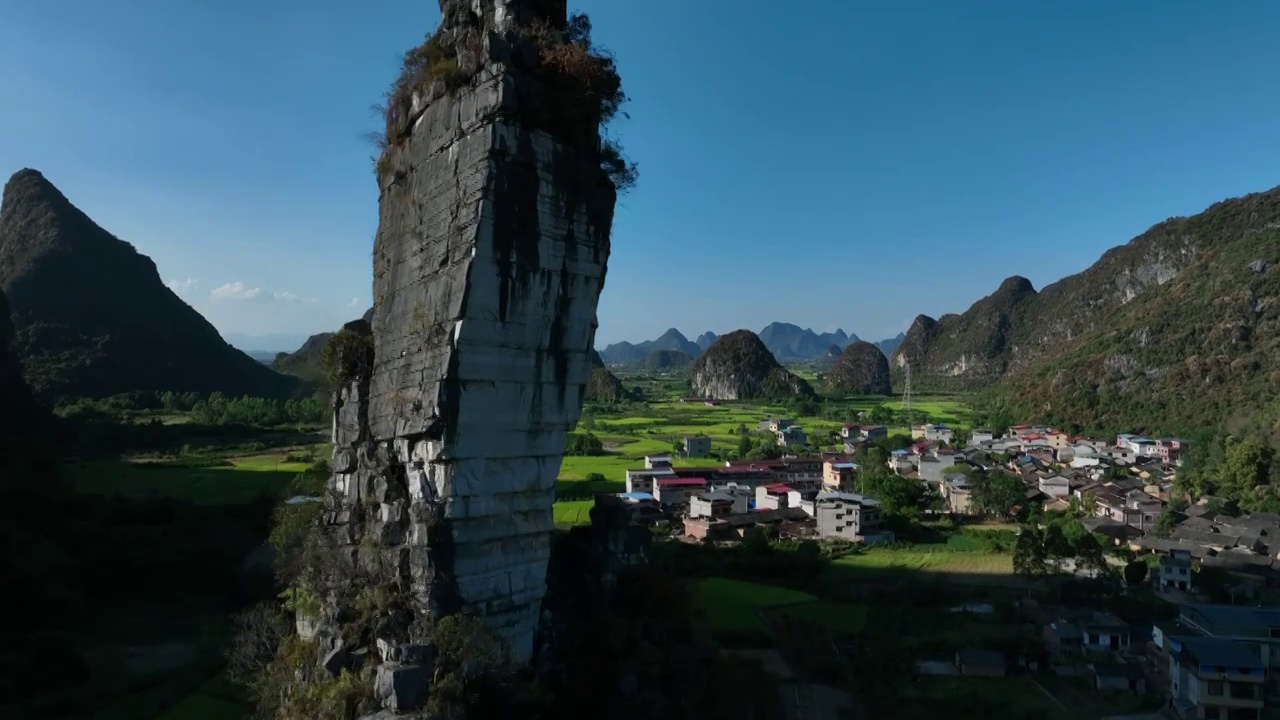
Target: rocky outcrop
977, 345
860, 370
92, 316
489, 260
604, 386
739, 367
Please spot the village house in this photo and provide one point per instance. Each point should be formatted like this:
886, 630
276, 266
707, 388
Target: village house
848, 516
1054, 486
981, 435
789, 521
957, 493
838, 475
718, 503
1104, 632
677, 490
657, 462
1174, 572
1214, 679
642, 480
697, 446
934, 432
791, 435
774, 496
773, 425
1118, 676
932, 468
903, 462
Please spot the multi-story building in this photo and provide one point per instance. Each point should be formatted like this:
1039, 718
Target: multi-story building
849, 516
838, 475
642, 480
775, 496
697, 446
1215, 679
677, 490
1175, 571
716, 504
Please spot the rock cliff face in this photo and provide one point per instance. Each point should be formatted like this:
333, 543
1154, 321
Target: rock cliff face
92, 316
738, 366
488, 264
861, 370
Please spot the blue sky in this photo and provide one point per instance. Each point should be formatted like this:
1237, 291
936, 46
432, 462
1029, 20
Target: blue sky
848, 164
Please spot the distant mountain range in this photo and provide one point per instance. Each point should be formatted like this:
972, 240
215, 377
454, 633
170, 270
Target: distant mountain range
787, 342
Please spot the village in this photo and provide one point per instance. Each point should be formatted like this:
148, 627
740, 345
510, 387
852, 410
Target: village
1208, 657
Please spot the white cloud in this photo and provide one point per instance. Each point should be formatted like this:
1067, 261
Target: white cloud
183, 286
354, 302
292, 297
235, 291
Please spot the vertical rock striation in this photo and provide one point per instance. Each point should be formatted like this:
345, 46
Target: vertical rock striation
488, 263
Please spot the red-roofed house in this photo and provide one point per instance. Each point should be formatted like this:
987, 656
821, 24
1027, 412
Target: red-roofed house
773, 496
677, 490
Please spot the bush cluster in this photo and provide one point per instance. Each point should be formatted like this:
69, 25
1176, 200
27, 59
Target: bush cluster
583, 90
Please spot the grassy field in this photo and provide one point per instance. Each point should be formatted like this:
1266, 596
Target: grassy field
735, 605
837, 616
1019, 694
227, 482
913, 559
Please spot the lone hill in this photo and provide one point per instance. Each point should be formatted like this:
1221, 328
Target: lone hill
1177, 330
738, 366
91, 316
603, 386
860, 370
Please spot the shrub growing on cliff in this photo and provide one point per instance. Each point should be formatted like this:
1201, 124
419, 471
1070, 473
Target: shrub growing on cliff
348, 355
581, 84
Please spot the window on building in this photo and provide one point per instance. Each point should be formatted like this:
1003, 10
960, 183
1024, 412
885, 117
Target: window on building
1213, 687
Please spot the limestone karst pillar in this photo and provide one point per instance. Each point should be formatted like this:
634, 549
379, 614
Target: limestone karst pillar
489, 260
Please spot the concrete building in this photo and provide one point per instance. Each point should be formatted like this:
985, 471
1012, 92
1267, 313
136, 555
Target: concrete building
697, 446
775, 496
642, 480
1175, 571
1215, 679
677, 490
848, 516
714, 505
839, 475
657, 462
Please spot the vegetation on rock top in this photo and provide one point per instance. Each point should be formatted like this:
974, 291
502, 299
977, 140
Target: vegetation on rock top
581, 88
